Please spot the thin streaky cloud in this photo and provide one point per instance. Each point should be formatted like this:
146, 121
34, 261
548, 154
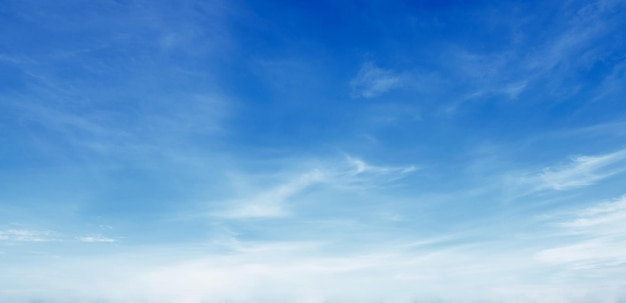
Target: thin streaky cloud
96, 239
361, 167
312, 151
591, 238
26, 235
603, 219
271, 203
584, 171
275, 202
372, 81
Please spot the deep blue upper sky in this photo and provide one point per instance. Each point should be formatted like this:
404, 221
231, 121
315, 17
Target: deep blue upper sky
312, 151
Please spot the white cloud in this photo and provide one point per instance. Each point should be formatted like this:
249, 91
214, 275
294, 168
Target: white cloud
588, 254
95, 239
372, 81
514, 89
580, 172
360, 167
584, 171
596, 239
585, 25
274, 202
23, 235
301, 273
573, 44
608, 217
271, 203
582, 260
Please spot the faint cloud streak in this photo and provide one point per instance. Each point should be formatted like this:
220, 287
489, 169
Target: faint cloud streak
372, 81
96, 239
271, 203
24, 235
584, 171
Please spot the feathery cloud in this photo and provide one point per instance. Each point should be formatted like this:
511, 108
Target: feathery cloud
372, 81
594, 238
24, 235
96, 239
584, 171
271, 203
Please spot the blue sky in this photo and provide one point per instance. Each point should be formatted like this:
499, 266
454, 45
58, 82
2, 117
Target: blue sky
312, 151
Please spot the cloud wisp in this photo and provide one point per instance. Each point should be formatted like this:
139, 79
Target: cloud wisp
584, 171
25, 235
96, 239
275, 202
361, 167
270, 203
192, 151
593, 239
372, 81
504, 270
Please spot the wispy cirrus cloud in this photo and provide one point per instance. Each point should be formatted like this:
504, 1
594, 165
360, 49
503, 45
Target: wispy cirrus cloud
29, 235
584, 171
270, 203
372, 81
96, 239
134, 113
275, 201
26, 235
605, 218
593, 238
361, 167
306, 273
528, 66
508, 269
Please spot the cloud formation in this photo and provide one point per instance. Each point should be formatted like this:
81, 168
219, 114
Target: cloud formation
270, 203
25, 235
372, 81
210, 134
95, 239
593, 240
584, 171
361, 167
